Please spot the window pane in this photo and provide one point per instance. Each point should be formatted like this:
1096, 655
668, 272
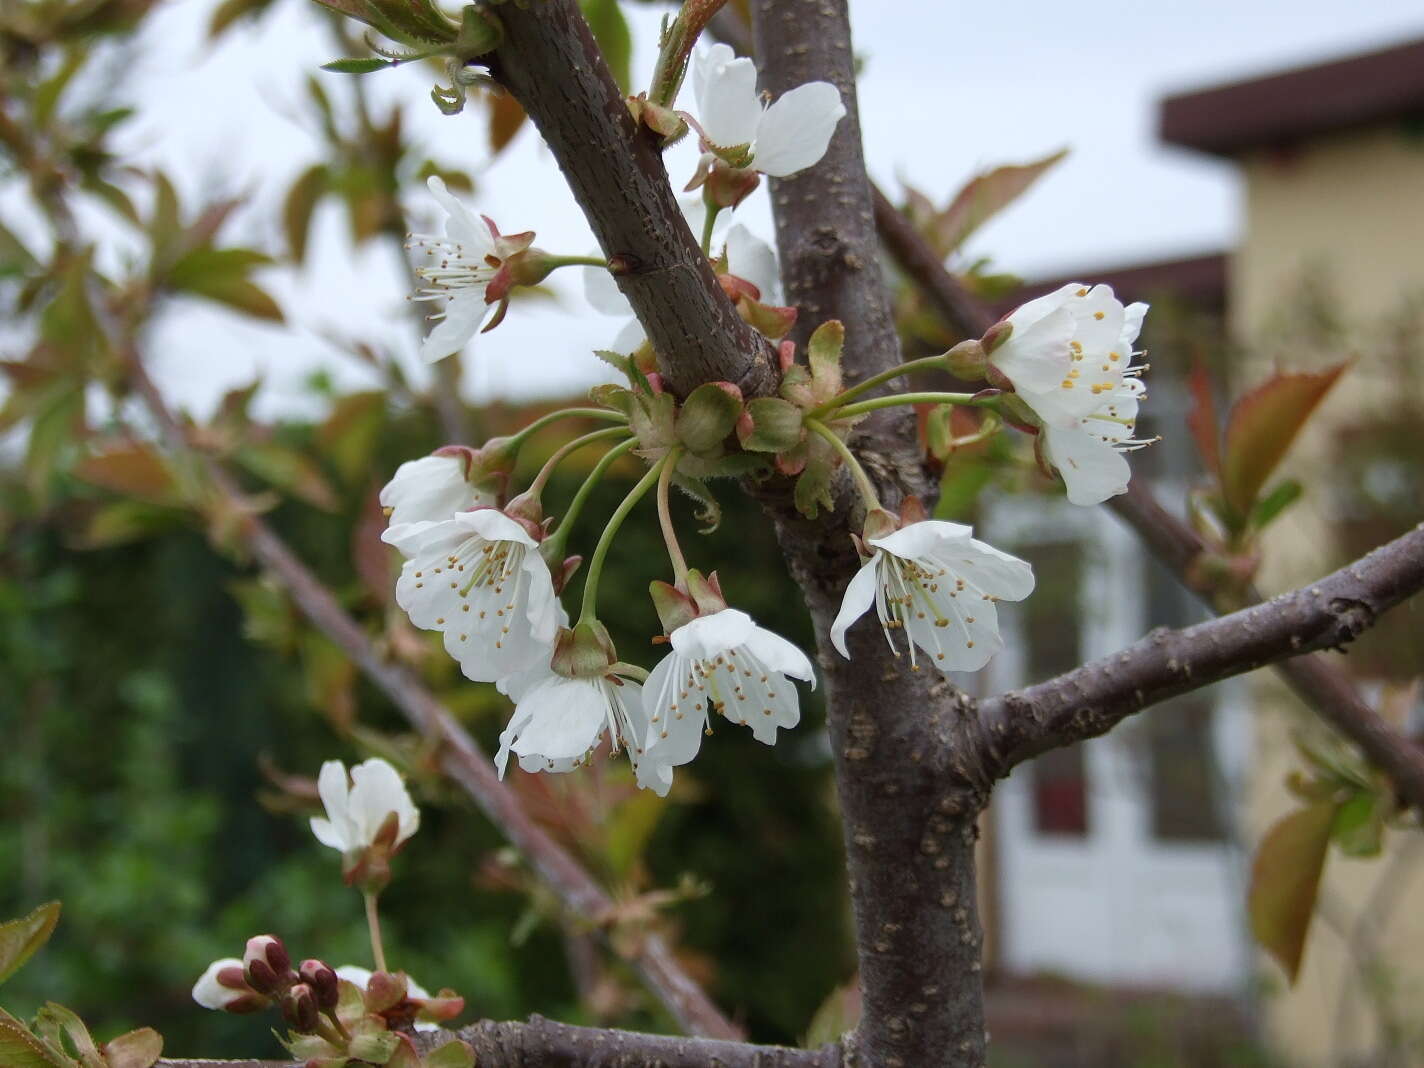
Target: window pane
1060, 792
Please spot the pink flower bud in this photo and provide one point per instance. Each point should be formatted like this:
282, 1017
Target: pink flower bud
321, 977
299, 1008
266, 963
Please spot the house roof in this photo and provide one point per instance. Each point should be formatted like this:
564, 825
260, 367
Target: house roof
1295, 104
1198, 280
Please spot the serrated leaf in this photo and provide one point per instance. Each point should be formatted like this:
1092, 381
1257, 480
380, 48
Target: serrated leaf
1202, 420
376, 1048
838, 1014
653, 418
20, 1049
1274, 503
610, 30
813, 485
20, 938
55, 1023
982, 198
707, 416
1285, 879
369, 65
1261, 428
775, 425
136, 1049
506, 117
299, 205
709, 512
823, 354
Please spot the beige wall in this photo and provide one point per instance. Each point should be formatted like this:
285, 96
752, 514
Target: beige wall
1347, 210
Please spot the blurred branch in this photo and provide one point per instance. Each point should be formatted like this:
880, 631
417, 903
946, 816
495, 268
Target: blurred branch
1093, 698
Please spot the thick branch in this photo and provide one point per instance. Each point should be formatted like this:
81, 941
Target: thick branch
459, 755
543, 1043
895, 733
552, 65
1092, 699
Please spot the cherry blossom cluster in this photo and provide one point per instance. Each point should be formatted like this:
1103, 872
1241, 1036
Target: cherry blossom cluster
487, 569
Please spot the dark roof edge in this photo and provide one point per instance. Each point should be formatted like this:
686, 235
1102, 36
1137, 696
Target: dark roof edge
1199, 280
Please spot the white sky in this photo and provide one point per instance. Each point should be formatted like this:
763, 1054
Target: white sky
948, 89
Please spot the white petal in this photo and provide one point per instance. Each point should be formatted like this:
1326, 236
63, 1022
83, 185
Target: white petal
376, 792
629, 338
1037, 358
795, 131
430, 488
211, 994
969, 639
464, 313
704, 63
564, 719
408, 538
333, 789
920, 539
707, 636
1091, 468
1025, 315
859, 596
1100, 320
727, 104
354, 973
327, 834
1132, 317
493, 525
675, 710
461, 226
780, 655
751, 258
601, 291
993, 572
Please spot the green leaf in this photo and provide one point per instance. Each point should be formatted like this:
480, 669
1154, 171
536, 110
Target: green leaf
290, 471
301, 202
1358, 827
1202, 420
357, 66
1261, 428
133, 470
506, 117
610, 30
1274, 503
15, 258
823, 353
709, 512
20, 938
1285, 879
136, 1049
959, 488
20, 1049
376, 1048
813, 485
220, 274
838, 1014
456, 1054
983, 198
775, 425
55, 1023
708, 415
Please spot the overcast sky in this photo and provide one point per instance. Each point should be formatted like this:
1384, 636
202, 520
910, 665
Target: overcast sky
948, 89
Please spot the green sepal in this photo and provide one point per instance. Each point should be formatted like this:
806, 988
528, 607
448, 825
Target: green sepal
674, 607
706, 592
708, 416
586, 651
374, 1047
771, 425
455, 1054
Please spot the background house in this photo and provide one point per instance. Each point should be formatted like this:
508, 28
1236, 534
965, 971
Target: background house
1125, 860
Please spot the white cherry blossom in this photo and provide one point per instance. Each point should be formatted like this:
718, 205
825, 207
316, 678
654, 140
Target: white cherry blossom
558, 721
722, 662
430, 489
356, 811
789, 136
479, 579
1069, 358
938, 584
458, 271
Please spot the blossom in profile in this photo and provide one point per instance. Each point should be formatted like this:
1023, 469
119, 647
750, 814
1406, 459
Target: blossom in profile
736, 126
938, 585
359, 810
1068, 356
432, 488
721, 663
478, 578
223, 987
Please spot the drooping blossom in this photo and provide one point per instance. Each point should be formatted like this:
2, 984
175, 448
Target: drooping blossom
1069, 357
560, 720
723, 663
938, 585
478, 578
356, 810
432, 488
467, 269
778, 140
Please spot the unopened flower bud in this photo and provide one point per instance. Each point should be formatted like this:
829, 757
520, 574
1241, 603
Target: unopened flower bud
266, 963
224, 987
299, 1008
967, 360
322, 979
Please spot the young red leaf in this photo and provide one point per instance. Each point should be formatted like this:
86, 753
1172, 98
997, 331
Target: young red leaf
1284, 881
1202, 420
1262, 426
984, 197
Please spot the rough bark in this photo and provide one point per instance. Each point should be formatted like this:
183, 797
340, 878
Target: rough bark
909, 791
1092, 699
552, 65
